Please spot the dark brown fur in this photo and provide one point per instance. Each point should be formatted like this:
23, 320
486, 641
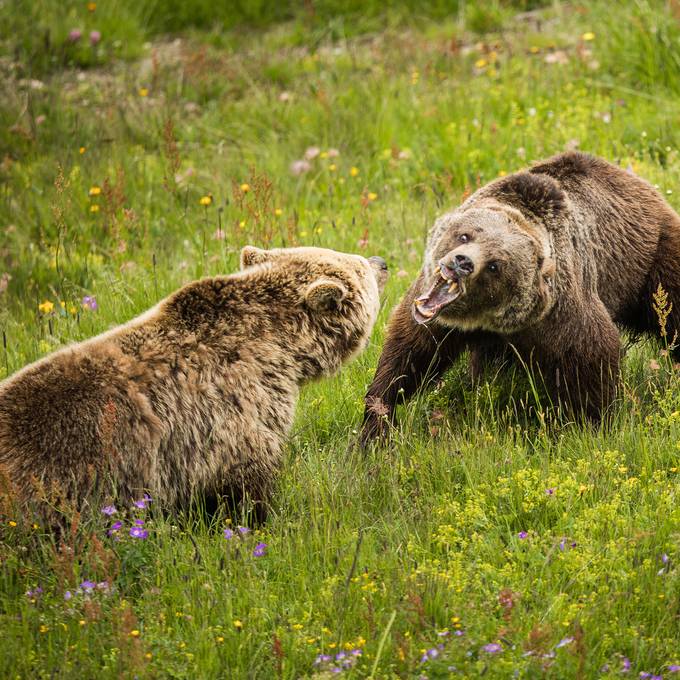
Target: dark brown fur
612, 240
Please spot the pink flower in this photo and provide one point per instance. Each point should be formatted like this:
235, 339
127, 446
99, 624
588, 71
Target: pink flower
95, 37
312, 152
74, 35
300, 167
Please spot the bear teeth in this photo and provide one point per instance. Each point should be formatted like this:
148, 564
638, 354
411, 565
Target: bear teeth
453, 286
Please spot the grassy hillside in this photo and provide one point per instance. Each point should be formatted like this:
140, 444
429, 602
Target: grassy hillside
488, 537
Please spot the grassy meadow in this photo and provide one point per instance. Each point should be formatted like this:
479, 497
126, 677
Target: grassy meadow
142, 144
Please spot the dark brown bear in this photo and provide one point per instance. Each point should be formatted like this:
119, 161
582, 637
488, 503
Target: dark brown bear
552, 261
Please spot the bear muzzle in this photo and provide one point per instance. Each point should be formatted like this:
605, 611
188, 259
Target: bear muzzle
449, 285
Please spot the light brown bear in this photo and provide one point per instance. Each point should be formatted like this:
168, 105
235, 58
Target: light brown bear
197, 395
551, 261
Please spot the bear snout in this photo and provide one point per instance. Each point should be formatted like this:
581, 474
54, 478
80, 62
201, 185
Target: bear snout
459, 265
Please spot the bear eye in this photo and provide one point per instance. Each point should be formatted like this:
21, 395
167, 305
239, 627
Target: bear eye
493, 267
464, 238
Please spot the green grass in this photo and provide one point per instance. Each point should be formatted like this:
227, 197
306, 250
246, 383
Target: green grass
383, 551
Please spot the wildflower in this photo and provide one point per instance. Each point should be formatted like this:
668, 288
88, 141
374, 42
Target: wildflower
260, 550
300, 167
87, 585
91, 6
238, 624
322, 658
522, 535
480, 63
243, 530
219, 639
312, 152
46, 307
492, 648
143, 91
245, 187
94, 191
68, 595
34, 593
94, 208
138, 532
372, 196
550, 491
588, 36
141, 503
205, 200
74, 35
109, 510
564, 642
332, 153
134, 633
12, 523
82, 150
674, 668
90, 302
114, 528
332, 167
44, 628
278, 212
625, 664
665, 559
228, 534
353, 171
95, 37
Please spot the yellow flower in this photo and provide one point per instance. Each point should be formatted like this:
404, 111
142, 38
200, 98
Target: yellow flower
480, 63
278, 212
44, 628
242, 224
94, 208
205, 200
245, 187
219, 639
82, 150
353, 171
35, 526
134, 633
238, 624
46, 307
143, 92
91, 6
12, 523
372, 196
148, 655
588, 36
95, 191
326, 631
534, 49
332, 167
82, 622
297, 626
323, 154
311, 641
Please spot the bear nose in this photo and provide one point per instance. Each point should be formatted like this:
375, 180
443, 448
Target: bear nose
378, 262
461, 265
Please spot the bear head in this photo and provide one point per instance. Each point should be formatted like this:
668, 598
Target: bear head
490, 265
334, 298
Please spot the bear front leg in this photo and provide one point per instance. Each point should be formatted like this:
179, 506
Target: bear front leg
586, 375
413, 354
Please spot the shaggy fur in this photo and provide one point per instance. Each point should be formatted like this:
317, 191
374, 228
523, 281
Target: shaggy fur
196, 395
578, 246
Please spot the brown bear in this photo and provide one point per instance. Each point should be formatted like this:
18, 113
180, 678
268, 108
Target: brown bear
196, 396
547, 263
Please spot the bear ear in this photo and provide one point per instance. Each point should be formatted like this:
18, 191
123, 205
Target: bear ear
533, 193
250, 255
324, 295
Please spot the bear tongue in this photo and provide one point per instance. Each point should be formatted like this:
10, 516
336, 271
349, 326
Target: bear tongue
443, 293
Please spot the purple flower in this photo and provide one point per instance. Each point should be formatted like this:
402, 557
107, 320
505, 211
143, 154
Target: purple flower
34, 593
492, 648
674, 668
90, 302
458, 633
550, 491
564, 642
68, 595
228, 534
138, 532
139, 522
109, 510
141, 503
665, 559
88, 585
562, 544
322, 658
625, 664
114, 528
95, 37
260, 550
356, 652
522, 534
74, 35
243, 530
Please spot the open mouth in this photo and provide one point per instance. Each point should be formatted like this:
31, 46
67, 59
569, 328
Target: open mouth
447, 288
